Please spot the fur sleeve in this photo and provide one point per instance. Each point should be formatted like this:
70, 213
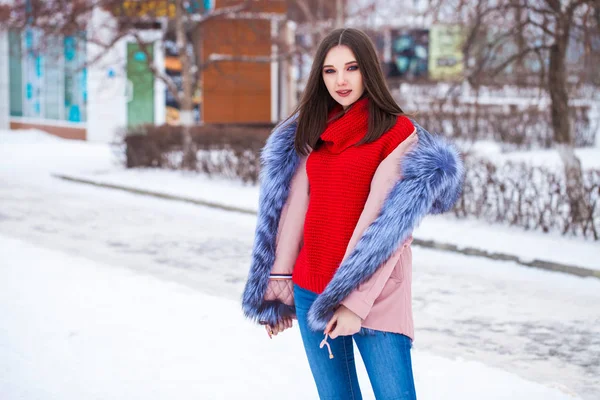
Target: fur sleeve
279, 163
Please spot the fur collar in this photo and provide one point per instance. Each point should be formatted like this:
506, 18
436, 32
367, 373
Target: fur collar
432, 180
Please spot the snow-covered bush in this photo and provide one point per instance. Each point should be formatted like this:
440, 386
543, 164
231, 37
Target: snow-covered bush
531, 197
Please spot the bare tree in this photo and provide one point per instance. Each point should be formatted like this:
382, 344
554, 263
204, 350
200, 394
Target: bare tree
525, 30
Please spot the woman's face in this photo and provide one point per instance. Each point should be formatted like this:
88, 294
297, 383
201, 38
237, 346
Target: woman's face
342, 77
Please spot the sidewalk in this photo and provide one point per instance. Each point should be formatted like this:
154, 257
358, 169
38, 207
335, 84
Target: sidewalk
470, 237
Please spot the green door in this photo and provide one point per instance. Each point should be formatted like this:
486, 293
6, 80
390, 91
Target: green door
140, 86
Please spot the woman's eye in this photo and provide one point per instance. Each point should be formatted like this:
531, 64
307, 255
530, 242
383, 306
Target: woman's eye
353, 68
329, 71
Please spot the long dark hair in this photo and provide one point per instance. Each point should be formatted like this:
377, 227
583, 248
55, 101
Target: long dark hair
316, 101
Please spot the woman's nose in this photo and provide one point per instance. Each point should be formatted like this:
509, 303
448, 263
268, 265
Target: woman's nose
341, 80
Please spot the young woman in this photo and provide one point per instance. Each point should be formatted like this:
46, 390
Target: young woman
344, 182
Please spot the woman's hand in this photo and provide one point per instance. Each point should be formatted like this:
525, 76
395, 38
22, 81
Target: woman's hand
280, 327
345, 321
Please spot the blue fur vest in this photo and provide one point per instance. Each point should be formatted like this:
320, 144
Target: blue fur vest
432, 177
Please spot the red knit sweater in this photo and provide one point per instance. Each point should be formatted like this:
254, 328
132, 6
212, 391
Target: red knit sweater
340, 176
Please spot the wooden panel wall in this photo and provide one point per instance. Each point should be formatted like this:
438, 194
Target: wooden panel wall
236, 91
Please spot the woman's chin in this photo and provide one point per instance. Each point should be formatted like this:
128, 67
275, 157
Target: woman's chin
345, 101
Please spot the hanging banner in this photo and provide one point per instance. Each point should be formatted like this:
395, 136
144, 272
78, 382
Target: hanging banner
446, 52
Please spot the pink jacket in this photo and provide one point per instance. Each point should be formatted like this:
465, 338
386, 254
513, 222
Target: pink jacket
424, 175
384, 300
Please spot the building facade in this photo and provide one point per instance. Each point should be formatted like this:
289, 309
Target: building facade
53, 87
74, 88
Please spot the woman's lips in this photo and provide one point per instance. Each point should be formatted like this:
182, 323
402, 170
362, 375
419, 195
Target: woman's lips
343, 93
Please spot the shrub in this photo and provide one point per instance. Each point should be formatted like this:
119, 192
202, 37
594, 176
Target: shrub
227, 150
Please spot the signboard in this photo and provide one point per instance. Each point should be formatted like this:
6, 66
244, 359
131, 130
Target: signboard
410, 53
158, 8
446, 52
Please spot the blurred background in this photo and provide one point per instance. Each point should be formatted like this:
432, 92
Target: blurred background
130, 137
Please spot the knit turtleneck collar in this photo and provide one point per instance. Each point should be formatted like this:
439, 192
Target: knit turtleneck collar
348, 129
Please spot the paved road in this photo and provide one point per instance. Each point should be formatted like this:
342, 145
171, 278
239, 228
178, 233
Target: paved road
542, 326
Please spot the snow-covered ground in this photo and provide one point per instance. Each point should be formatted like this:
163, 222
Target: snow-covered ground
78, 329
152, 258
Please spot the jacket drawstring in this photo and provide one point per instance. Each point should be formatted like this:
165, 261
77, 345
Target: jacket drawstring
324, 343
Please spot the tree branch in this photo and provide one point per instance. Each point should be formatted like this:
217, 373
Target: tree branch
517, 56
538, 25
143, 45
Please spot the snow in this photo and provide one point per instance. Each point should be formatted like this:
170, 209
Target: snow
589, 156
78, 329
31, 152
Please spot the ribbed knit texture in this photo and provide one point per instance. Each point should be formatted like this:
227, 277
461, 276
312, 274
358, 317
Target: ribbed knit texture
340, 176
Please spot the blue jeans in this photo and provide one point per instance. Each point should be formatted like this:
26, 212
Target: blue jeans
386, 357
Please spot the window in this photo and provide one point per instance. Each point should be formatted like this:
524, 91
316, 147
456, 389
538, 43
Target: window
33, 73
75, 87
15, 77
54, 80
48, 79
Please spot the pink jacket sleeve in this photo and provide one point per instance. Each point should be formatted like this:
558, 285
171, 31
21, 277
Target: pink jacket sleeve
388, 173
291, 223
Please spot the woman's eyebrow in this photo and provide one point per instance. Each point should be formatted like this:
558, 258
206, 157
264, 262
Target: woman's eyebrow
331, 66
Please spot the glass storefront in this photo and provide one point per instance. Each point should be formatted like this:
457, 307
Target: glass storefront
48, 78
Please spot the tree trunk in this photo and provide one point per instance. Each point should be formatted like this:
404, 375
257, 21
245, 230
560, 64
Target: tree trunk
339, 14
520, 70
563, 135
186, 114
